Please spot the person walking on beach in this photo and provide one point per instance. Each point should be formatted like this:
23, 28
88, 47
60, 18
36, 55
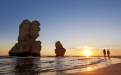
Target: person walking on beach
108, 53
104, 52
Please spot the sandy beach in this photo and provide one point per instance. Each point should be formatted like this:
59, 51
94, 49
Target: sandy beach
110, 70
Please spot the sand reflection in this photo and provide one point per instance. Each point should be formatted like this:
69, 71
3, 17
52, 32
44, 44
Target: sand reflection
89, 68
108, 62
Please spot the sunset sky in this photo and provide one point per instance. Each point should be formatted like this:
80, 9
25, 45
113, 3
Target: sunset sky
77, 24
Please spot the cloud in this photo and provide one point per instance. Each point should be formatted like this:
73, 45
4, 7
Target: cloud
93, 48
75, 48
81, 48
88, 47
85, 44
110, 48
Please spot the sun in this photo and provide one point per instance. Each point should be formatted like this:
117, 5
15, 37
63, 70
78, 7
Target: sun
86, 52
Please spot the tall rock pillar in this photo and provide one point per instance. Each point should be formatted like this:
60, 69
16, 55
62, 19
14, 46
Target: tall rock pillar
27, 44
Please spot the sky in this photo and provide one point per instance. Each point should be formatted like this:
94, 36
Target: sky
78, 24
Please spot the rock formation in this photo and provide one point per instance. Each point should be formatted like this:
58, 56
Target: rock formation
60, 51
27, 44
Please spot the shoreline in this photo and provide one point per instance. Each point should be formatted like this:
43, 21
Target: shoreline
114, 69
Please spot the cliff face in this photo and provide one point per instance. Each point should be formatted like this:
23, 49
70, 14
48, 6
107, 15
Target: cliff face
27, 44
59, 51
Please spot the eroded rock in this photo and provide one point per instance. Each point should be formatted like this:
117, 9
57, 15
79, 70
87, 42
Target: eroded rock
27, 44
60, 51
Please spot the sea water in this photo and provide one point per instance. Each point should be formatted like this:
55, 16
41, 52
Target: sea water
11, 65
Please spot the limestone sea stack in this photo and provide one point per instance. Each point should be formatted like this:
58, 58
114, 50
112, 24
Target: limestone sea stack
27, 44
59, 51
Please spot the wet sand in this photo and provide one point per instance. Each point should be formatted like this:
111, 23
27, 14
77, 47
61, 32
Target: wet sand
114, 69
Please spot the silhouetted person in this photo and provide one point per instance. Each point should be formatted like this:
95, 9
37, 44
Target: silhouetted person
108, 53
104, 52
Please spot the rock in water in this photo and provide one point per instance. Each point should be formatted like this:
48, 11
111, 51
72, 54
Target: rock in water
27, 44
60, 51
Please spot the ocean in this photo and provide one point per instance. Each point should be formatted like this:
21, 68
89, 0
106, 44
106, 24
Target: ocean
45, 65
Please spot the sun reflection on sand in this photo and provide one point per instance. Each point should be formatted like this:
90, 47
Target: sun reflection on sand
89, 68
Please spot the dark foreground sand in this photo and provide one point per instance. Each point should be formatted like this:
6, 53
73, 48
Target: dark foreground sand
110, 70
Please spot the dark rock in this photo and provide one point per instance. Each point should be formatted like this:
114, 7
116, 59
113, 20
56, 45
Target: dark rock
60, 51
27, 44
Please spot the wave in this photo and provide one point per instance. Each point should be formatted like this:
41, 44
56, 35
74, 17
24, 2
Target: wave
49, 64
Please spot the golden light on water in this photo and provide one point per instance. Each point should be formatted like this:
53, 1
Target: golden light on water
87, 53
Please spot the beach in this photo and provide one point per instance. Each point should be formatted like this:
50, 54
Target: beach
114, 69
